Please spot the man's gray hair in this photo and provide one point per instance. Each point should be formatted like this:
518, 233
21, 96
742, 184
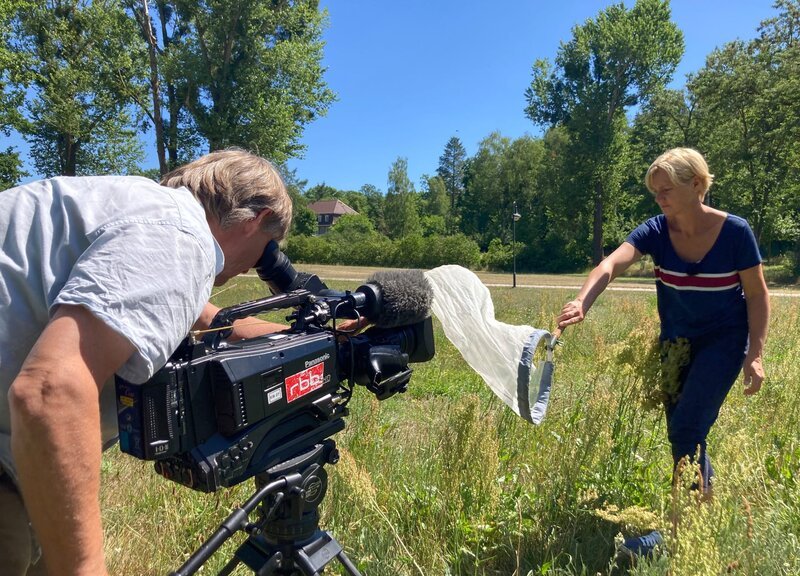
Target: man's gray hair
234, 185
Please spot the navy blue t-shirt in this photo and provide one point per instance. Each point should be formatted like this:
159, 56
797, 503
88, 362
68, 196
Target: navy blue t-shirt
701, 297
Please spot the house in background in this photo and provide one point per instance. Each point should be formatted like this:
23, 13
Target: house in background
328, 212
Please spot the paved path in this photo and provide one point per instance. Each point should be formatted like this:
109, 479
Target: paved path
491, 279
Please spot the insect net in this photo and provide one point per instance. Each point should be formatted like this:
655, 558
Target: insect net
502, 354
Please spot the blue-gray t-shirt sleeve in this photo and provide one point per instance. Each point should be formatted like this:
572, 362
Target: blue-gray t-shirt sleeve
644, 236
148, 282
747, 253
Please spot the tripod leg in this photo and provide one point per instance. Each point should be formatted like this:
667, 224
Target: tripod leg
349, 567
229, 567
313, 557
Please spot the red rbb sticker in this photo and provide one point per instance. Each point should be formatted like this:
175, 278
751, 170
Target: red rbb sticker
302, 383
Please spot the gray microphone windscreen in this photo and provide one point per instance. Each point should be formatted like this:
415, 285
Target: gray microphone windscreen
406, 297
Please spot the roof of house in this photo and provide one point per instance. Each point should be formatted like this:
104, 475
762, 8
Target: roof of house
331, 207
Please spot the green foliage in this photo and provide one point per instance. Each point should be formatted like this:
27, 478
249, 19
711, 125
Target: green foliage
14, 67
251, 73
321, 192
455, 249
504, 173
748, 94
84, 61
304, 221
434, 197
10, 169
453, 171
309, 249
433, 225
498, 256
352, 228
401, 213
374, 206
356, 243
612, 63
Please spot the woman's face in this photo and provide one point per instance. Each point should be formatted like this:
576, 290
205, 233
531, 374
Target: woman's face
674, 198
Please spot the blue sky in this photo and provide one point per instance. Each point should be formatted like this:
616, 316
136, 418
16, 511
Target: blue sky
411, 74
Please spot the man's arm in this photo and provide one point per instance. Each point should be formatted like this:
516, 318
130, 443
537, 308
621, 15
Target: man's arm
242, 328
55, 436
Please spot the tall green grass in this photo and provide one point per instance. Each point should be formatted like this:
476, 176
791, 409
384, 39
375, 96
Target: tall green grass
446, 480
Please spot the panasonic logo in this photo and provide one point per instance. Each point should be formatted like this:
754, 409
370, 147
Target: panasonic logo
315, 361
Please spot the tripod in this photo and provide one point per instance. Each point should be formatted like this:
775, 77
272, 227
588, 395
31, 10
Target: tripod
286, 539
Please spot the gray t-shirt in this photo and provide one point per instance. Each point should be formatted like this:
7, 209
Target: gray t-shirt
138, 256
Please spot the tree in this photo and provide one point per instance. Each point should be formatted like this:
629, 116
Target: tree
84, 60
748, 93
374, 209
352, 228
11, 171
667, 120
452, 170
501, 173
14, 66
355, 199
250, 72
614, 62
321, 192
242, 73
141, 11
401, 213
434, 196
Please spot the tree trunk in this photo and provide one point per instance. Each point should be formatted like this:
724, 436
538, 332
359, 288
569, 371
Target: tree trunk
597, 225
70, 156
157, 121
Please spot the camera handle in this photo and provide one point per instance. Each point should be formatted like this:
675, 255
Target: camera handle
226, 316
286, 540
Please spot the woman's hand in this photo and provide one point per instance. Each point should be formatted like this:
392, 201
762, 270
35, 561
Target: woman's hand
572, 313
753, 374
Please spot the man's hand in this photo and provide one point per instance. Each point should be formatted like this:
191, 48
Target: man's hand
353, 326
56, 440
753, 375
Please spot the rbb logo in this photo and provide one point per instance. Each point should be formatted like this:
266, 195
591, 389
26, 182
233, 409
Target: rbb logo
300, 384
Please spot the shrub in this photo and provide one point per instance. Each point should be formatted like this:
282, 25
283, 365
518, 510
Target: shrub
498, 256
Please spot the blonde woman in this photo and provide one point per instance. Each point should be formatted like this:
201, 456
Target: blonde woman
712, 299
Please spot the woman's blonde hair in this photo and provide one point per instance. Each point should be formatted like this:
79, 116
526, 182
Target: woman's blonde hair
681, 165
234, 186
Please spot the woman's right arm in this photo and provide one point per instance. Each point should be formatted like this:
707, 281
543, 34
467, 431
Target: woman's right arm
617, 262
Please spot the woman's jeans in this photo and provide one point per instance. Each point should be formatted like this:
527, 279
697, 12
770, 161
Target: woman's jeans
715, 363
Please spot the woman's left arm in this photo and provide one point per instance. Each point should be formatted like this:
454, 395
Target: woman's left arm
755, 292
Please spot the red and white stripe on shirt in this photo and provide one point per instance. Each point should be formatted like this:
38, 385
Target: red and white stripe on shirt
702, 282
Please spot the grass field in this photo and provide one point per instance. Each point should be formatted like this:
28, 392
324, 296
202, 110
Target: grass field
446, 480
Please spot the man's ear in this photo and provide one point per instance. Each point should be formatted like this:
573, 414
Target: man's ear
257, 223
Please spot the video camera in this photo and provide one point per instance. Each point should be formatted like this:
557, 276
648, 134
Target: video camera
221, 412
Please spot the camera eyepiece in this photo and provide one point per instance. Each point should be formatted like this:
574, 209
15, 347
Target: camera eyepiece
275, 269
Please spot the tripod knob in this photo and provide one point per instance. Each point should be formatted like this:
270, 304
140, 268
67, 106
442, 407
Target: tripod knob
333, 456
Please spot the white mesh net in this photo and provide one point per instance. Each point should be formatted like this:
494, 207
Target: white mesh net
502, 354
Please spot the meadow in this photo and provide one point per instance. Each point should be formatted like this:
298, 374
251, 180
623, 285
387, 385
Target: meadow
446, 480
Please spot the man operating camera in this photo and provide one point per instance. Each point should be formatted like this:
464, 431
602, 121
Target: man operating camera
102, 276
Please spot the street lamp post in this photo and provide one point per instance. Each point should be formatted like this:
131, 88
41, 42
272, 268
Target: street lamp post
514, 217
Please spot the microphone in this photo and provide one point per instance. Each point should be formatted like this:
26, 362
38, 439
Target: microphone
406, 297
389, 298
